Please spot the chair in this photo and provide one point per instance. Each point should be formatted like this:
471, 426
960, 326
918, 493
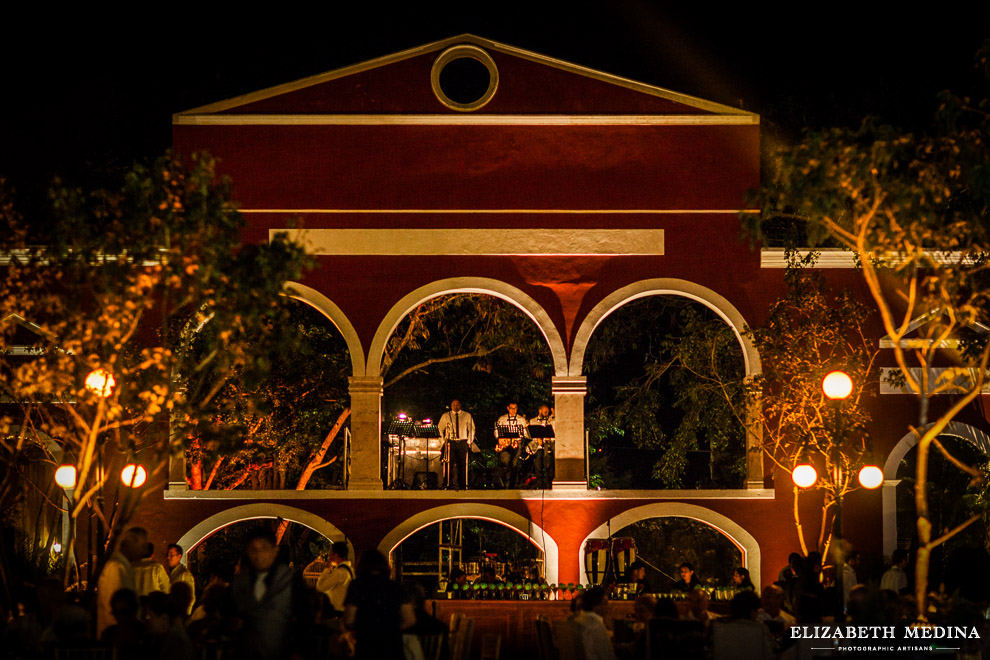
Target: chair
491, 646
567, 638
431, 645
460, 641
545, 650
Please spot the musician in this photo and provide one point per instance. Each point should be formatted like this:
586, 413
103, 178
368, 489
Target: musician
457, 428
541, 448
510, 449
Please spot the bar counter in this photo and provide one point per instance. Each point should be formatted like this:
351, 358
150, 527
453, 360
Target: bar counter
514, 620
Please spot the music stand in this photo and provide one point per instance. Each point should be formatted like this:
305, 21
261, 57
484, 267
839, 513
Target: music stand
402, 428
426, 429
544, 433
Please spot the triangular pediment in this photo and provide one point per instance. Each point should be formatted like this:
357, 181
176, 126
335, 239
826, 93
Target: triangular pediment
405, 84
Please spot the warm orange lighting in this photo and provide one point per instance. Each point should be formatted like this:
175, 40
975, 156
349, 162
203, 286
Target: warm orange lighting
871, 477
100, 382
133, 475
804, 476
65, 477
837, 385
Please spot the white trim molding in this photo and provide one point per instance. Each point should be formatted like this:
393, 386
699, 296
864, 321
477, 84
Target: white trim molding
480, 285
321, 303
255, 511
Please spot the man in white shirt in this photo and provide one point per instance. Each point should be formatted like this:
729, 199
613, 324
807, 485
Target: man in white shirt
896, 579
178, 572
335, 579
118, 573
510, 448
771, 600
149, 575
457, 428
594, 635
542, 449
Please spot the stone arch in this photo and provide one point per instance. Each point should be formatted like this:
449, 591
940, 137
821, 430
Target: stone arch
746, 542
708, 298
483, 285
976, 437
489, 512
255, 511
320, 302
658, 287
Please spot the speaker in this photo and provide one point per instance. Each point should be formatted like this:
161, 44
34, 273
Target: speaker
425, 481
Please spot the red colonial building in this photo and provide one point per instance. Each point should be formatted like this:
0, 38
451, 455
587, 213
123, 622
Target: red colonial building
410, 188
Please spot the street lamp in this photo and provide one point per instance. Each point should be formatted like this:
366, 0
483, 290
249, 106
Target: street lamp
65, 477
133, 475
100, 382
804, 475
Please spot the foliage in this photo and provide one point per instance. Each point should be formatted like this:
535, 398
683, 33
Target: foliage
808, 333
303, 396
666, 375
124, 283
914, 209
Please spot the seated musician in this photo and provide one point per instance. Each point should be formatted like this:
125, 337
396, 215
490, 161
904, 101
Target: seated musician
541, 449
509, 449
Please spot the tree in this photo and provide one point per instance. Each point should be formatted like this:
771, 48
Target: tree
667, 374
808, 333
152, 286
913, 208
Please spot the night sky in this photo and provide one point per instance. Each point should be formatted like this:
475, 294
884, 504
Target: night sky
87, 93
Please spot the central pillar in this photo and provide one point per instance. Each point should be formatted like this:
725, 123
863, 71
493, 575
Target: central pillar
569, 461
366, 433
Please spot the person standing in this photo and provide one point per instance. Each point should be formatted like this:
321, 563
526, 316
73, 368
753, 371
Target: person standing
336, 578
689, 581
509, 449
118, 573
149, 575
270, 598
177, 572
895, 579
457, 428
377, 610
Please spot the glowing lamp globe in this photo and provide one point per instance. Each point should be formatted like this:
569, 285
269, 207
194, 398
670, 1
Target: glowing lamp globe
56, 547
871, 477
65, 477
133, 475
100, 382
837, 385
804, 476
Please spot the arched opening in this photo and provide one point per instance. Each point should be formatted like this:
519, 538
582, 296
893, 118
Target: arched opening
721, 543
326, 307
544, 546
484, 351
894, 466
666, 398
479, 285
954, 562
303, 541
289, 430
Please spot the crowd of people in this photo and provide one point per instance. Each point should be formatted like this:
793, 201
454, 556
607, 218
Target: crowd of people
266, 611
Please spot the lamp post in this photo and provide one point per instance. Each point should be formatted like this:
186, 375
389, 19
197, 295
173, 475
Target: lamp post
837, 386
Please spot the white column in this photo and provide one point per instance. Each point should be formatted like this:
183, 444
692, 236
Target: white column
366, 433
569, 460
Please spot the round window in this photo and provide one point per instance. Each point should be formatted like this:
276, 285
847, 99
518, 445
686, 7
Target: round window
464, 78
